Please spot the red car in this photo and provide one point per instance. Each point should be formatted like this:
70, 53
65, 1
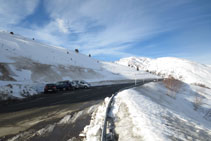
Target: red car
50, 88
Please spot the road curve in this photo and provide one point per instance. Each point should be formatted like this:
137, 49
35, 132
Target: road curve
49, 108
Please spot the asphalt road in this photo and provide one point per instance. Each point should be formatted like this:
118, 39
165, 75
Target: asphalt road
67, 97
47, 108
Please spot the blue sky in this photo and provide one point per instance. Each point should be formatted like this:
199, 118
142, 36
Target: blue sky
113, 29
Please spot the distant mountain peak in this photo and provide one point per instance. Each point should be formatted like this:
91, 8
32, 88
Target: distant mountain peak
182, 69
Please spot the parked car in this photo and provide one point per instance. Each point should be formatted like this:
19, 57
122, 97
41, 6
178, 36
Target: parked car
81, 84
64, 85
74, 84
50, 88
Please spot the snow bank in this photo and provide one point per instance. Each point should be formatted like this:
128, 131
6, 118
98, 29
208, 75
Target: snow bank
93, 130
19, 90
184, 70
148, 113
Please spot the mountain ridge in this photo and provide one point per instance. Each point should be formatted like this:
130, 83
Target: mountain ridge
182, 69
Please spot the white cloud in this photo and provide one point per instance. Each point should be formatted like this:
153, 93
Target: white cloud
13, 11
48, 34
121, 21
105, 26
62, 26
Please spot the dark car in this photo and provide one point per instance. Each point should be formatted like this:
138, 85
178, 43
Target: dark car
64, 85
50, 88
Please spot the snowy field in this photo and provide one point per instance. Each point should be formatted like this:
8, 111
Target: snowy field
150, 112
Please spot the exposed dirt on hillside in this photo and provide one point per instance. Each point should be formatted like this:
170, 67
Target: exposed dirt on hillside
5, 72
44, 72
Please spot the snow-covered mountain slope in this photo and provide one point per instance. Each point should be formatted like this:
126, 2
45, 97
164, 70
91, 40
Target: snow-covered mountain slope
184, 70
26, 61
14, 46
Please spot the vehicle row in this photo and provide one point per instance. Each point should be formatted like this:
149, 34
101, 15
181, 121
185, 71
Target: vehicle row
66, 85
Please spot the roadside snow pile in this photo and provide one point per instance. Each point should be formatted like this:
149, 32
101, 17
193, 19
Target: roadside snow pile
17, 90
93, 131
150, 113
184, 70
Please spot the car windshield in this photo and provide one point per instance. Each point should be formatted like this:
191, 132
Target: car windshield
50, 85
60, 83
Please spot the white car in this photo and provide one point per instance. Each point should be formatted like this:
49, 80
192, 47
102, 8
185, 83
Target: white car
81, 84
